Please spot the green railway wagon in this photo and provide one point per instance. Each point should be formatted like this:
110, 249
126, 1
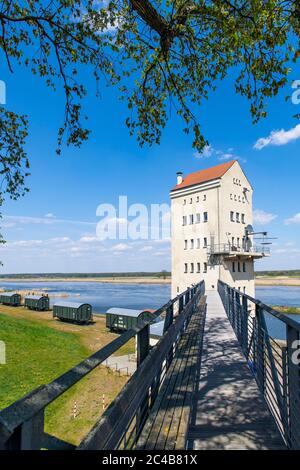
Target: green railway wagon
123, 319
40, 303
73, 312
10, 298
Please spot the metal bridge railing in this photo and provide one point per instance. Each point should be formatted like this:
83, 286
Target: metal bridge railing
270, 342
22, 423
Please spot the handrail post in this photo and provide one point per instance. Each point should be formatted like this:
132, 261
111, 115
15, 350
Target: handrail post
293, 356
168, 322
238, 315
187, 296
29, 435
260, 347
143, 346
245, 325
285, 394
180, 304
233, 308
143, 342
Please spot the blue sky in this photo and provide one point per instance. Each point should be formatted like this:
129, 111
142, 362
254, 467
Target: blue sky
53, 228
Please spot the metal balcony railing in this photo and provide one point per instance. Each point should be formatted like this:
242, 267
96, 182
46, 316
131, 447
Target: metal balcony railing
228, 248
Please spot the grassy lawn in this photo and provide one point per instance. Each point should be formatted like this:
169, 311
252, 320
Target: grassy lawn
39, 349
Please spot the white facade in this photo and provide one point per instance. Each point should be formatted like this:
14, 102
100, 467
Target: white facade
211, 226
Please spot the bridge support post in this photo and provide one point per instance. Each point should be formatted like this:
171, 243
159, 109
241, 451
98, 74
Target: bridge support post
260, 347
293, 357
233, 309
143, 343
180, 304
187, 297
238, 316
285, 393
168, 323
29, 435
245, 326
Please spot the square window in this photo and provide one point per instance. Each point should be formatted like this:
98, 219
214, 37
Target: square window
243, 218
191, 219
198, 267
198, 218
205, 217
185, 267
205, 267
237, 217
204, 242
185, 244
198, 243
204, 197
192, 267
192, 244
184, 220
231, 216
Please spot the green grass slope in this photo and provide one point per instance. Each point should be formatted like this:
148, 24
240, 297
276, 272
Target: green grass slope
35, 354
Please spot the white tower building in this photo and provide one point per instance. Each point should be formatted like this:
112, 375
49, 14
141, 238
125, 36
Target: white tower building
212, 234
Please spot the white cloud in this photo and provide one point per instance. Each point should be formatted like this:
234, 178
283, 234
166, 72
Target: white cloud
146, 248
49, 215
278, 137
227, 156
162, 241
221, 155
89, 239
293, 220
280, 251
261, 217
26, 243
48, 219
206, 152
121, 247
59, 239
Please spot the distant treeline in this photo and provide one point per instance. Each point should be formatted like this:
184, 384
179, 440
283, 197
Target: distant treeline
289, 273
84, 275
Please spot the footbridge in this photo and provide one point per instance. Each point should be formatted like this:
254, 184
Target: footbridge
224, 375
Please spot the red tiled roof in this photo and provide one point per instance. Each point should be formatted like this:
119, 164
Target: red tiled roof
202, 176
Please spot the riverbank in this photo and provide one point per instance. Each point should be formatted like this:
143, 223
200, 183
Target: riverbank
104, 280
277, 281
23, 293
259, 281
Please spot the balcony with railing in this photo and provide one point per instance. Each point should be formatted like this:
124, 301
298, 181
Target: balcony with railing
230, 251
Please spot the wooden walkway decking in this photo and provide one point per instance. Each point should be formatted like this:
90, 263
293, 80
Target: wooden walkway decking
228, 410
167, 425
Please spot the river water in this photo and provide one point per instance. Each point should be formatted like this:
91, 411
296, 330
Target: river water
102, 296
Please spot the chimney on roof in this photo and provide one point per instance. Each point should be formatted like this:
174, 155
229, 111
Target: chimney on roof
179, 177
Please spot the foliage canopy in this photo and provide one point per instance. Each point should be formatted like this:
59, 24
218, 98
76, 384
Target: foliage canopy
162, 54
